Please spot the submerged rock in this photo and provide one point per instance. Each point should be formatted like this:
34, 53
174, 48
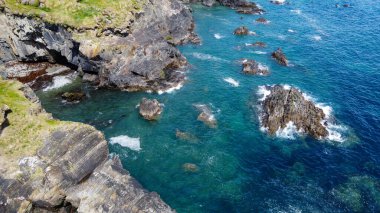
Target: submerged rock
280, 57
284, 107
73, 96
258, 44
262, 20
190, 167
186, 136
150, 109
253, 67
206, 115
241, 31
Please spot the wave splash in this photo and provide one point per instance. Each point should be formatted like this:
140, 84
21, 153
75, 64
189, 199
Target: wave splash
58, 82
232, 82
126, 141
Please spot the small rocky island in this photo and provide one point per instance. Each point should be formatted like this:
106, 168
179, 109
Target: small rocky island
150, 109
283, 106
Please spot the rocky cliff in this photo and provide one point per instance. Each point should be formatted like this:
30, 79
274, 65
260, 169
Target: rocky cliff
53, 166
139, 53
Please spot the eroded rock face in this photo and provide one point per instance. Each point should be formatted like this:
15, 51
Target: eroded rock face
284, 106
253, 67
133, 60
280, 57
72, 172
150, 109
241, 31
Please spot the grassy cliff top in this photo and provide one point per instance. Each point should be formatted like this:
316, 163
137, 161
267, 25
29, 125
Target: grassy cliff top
27, 128
80, 13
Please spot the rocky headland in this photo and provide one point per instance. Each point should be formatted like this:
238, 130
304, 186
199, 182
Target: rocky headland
56, 166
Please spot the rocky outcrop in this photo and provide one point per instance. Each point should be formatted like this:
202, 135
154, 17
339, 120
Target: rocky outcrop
4, 110
241, 31
150, 109
253, 67
73, 96
206, 115
70, 172
258, 44
283, 107
280, 57
140, 56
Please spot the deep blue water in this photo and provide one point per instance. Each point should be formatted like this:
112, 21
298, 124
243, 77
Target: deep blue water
335, 57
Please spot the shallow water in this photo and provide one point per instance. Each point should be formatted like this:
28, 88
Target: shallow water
335, 59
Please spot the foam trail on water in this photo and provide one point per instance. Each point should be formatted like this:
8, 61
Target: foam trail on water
207, 57
297, 11
260, 52
126, 141
231, 81
316, 38
58, 81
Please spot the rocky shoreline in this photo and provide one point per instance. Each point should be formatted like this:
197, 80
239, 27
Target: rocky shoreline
71, 169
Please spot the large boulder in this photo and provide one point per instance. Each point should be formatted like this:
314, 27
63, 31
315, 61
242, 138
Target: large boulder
284, 106
280, 57
150, 109
253, 67
73, 96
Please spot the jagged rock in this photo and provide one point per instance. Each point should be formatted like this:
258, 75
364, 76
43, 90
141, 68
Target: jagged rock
73, 96
93, 79
150, 109
206, 115
6, 53
190, 167
262, 20
253, 67
288, 105
278, 1
241, 31
4, 110
280, 57
131, 58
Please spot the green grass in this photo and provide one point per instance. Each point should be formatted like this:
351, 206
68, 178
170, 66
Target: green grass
26, 131
82, 13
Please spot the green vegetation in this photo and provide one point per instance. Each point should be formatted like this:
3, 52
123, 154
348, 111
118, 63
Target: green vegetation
27, 130
81, 13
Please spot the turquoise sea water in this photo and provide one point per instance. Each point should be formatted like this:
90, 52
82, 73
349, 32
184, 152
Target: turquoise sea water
335, 57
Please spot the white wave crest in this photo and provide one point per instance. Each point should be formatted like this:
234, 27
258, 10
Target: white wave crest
263, 92
260, 52
316, 38
289, 132
58, 82
126, 141
231, 81
207, 57
297, 11
291, 31
218, 36
171, 90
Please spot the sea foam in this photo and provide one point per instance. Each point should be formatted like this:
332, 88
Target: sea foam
126, 141
207, 57
231, 81
171, 89
218, 36
58, 82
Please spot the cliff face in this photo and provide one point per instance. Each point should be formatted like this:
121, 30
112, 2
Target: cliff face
61, 166
138, 55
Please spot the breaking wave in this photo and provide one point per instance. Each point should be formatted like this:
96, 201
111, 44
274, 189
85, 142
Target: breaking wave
126, 141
